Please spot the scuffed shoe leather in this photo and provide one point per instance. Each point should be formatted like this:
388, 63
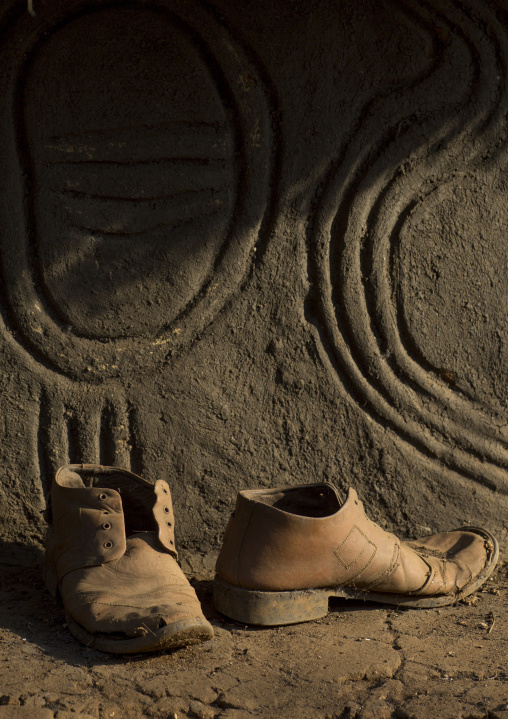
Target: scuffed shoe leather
282, 545
111, 555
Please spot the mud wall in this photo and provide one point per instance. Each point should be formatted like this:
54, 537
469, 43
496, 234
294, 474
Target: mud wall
256, 243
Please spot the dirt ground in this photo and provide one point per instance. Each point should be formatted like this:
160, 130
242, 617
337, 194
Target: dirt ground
362, 661
251, 244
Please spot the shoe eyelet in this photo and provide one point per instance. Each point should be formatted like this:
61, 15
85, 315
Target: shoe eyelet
106, 525
103, 496
108, 545
166, 509
165, 490
105, 511
169, 524
171, 541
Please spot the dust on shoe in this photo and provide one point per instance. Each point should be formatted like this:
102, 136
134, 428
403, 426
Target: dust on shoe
110, 555
287, 550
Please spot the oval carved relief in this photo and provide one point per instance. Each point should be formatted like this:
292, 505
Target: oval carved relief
140, 148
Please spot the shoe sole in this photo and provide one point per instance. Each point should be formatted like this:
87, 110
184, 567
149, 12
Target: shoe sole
250, 606
173, 636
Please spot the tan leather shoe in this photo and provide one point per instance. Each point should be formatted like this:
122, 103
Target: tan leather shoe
110, 553
287, 550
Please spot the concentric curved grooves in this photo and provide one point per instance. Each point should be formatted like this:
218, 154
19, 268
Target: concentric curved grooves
437, 405
408, 357
55, 321
477, 424
383, 253
25, 308
401, 401
383, 224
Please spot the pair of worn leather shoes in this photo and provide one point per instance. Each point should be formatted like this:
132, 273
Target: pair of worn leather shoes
111, 556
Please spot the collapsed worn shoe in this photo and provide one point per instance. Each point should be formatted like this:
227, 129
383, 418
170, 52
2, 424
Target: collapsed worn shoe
287, 550
110, 553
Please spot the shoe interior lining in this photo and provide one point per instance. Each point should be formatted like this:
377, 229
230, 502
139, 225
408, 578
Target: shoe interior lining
317, 501
137, 496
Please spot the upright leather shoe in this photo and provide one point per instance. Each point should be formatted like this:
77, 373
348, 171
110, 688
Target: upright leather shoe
110, 554
287, 550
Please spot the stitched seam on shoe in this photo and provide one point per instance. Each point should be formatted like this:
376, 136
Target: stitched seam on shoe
177, 587
357, 558
442, 570
424, 552
429, 577
76, 569
470, 573
353, 561
451, 561
364, 567
127, 606
391, 568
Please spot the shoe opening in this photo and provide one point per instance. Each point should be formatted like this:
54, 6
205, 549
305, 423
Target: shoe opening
137, 494
316, 501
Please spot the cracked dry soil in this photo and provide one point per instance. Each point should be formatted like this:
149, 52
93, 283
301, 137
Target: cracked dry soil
362, 661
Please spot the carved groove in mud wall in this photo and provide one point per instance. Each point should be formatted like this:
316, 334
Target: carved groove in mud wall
137, 181
136, 148
399, 214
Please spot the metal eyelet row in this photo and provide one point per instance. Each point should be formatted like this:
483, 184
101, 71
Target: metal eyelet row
166, 511
106, 525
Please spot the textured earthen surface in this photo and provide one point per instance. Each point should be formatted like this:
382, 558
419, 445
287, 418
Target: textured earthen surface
248, 244
245, 244
361, 661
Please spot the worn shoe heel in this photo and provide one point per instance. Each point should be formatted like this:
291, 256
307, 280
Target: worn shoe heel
250, 606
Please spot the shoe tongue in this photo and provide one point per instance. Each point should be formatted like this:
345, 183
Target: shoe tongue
138, 499
72, 480
133, 491
151, 538
137, 494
